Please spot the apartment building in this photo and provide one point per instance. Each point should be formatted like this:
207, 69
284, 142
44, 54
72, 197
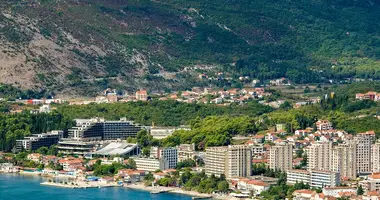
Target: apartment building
315, 178
281, 157
232, 161
36, 141
321, 179
364, 152
170, 154
297, 176
319, 155
376, 157
151, 164
344, 160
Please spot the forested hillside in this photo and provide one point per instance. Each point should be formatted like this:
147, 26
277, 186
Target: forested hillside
165, 44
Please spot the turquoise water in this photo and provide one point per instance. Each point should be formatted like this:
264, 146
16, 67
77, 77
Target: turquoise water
18, 187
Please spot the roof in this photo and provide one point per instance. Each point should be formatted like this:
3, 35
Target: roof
258, 183
116, 148
259, 136
304, 191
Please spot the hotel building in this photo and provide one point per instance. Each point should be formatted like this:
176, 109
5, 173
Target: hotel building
36, 141
232, 161
151, 164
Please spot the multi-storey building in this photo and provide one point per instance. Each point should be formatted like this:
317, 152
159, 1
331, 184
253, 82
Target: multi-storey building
186, 151
376, 157
323, 125
281, 157
232, 161
151, 164
364, 152
170, 154
297, 176
74, 147
36, 141
344, 160
321, 179
319, 155
315, 178
100, 129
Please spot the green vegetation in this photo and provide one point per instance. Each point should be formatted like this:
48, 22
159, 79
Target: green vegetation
212, 131
202, 183
163, 113
109, 170
13, 127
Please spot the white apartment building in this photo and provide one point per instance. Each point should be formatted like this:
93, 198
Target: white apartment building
321, 179
319, 155
170, 154
232, 161
151, 164
281, 157
376, 157
297, 176
364, 152
315, 178
344, 160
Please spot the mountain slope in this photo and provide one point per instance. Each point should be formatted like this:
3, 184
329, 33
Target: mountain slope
61, 45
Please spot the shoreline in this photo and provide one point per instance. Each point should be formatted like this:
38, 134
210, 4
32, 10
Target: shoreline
135, 186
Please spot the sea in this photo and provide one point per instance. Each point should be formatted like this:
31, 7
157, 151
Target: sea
21, 187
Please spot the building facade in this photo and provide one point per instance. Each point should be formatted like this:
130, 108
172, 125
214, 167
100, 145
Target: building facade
321, 179
364, 152
344, 160
319, 155
36, 141
376, 157
100, 129
281, 157
151, 164
232, 161
297, 176
169, 153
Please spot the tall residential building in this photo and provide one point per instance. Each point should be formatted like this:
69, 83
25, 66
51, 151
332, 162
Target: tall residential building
319, 156
376, 157
36, 141
169, 153
364, 152
344, 160
281, 157
232, 161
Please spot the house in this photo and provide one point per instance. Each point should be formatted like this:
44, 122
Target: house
271, 137
49, 159
302, 133
303, 194
71, 164
258, 139
141, 95
130, 175
338, 191
256, 186
323, 125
